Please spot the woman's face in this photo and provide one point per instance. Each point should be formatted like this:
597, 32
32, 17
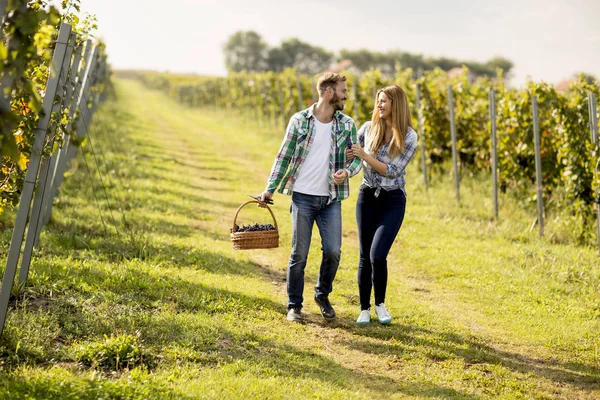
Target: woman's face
384, 104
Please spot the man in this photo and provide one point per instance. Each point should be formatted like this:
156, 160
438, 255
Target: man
311, 167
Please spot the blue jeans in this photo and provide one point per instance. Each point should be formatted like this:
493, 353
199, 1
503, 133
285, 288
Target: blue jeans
306, 210
379, 219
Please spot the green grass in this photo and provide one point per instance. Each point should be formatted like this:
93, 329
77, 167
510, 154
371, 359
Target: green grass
154, 303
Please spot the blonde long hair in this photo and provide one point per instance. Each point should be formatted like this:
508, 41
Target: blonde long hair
401, 121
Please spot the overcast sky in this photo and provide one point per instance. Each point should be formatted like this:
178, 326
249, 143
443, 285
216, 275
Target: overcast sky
546, 39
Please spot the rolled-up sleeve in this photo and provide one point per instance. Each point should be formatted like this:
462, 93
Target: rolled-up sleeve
356, 164
284, 155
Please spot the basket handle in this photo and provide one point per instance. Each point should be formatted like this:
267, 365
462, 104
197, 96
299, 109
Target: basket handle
244, 205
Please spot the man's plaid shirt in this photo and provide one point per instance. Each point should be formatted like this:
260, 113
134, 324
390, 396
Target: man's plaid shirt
296, 146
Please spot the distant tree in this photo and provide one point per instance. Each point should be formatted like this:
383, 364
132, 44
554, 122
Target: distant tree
588, 78
277, 60
364, 59
500, 62
445, 63
386, 62
414, 61
490, 68
293, 53
245, 50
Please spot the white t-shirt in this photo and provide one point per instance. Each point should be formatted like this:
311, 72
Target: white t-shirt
313, 175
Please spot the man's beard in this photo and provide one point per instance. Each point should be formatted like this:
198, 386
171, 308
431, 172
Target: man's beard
336, 103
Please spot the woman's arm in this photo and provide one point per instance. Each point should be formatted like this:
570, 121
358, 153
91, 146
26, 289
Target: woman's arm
397, 165
377, 165
357, 150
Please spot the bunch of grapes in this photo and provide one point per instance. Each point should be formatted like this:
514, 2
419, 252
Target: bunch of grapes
253, 228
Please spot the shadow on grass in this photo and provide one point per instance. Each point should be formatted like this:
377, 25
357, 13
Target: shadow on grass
216, 263
84, 302
215, 346
288, 361
209, 346
109, 247
59, 384
127, 299
440, 346
148, 148
84, 228
164, 173
188, 196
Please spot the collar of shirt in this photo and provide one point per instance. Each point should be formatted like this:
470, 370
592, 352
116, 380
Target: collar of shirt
337, 116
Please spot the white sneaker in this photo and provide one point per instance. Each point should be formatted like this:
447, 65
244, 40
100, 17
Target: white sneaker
364, 318
382, 315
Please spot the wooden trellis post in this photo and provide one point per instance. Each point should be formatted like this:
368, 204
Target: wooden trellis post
454, 144
421, 131
494, 151
32, 172
538, 166
36, 211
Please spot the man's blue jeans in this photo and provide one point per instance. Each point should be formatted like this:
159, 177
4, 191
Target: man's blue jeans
306, 210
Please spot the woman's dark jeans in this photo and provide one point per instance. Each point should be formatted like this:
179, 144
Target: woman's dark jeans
379, 219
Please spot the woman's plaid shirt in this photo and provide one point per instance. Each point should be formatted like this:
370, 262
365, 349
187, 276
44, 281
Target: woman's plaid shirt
394, 177
296, 146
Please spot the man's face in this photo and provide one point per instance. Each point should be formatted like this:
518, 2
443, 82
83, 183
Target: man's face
340, 95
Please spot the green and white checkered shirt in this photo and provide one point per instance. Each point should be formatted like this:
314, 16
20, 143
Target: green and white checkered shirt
296, 146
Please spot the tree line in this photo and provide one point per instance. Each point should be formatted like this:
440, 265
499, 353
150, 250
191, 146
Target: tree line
246, 50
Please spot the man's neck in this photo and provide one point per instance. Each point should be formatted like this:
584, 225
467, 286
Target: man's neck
323, 112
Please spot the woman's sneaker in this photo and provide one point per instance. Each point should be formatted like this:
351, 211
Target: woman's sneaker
364, 318
382, 315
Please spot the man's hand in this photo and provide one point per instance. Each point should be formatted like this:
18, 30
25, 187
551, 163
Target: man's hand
349, 154
340, 176
263, 197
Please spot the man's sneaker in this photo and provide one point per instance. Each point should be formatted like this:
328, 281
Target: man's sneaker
294, 314
326, 310
382, 315
364, 318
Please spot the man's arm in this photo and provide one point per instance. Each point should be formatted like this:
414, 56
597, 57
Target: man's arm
282, 160
356, 164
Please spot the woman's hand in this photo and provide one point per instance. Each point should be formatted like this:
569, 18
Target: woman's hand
358, 151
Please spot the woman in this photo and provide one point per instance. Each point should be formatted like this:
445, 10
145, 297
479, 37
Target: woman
387, 144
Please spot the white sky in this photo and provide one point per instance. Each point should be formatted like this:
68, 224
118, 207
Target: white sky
546, 39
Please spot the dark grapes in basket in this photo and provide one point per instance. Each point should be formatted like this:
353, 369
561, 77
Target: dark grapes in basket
253, 228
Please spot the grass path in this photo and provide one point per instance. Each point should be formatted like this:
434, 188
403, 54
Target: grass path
481, 309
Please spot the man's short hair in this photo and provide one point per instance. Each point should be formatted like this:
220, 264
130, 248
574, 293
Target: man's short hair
329, 79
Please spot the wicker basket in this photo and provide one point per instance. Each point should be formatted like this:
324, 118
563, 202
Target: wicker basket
257, 239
